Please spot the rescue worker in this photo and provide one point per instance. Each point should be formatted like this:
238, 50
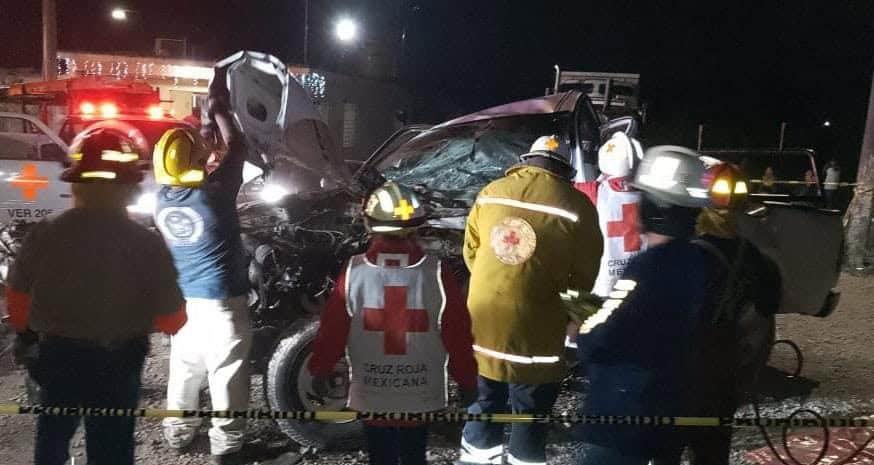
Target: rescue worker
84, 292
618, 206
641, 346
399, 314
747, 302
197, 215
516, 247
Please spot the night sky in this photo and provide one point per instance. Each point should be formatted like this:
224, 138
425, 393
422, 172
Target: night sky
738, 67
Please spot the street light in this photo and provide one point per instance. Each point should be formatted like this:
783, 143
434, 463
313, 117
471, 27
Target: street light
346, 30
119, 14
827, 124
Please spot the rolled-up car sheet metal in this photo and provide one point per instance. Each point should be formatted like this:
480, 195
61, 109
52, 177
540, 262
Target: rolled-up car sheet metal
805, 243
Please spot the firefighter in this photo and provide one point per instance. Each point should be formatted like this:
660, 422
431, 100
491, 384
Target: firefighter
197, 215
618, 206
398, 314
84, 292
664, 303
516, 247
748, 301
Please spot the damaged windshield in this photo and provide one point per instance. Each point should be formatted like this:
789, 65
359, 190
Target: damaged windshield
459, 160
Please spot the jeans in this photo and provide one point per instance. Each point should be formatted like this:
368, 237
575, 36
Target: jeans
482, 442
389, 445
77, 374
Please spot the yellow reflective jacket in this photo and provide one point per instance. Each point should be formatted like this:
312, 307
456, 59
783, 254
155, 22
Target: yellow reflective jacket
529, 236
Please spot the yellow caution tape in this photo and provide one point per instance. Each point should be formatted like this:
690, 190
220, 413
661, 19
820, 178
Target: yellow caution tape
443, 417
839, 184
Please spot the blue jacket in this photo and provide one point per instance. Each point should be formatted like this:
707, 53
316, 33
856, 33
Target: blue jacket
641, 356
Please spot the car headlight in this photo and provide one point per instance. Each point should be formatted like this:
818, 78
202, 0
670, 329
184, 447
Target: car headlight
272, 193
145, 204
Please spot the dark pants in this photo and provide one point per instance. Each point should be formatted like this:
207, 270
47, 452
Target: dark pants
593, 454
76, 374
710, 446
482, 442
390, 445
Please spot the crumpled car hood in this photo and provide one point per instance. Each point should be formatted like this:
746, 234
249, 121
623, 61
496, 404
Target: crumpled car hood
287, 137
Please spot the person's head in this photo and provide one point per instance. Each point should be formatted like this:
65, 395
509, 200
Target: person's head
769, 172
619, 155
728, 196
672, 180
393, 209
551, 153
105, 170
180, 158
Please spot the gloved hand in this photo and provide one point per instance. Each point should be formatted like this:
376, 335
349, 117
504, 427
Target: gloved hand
468, 397
25, 349
580, 305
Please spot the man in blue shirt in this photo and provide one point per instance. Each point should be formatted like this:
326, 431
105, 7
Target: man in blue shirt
197, 215
641, 348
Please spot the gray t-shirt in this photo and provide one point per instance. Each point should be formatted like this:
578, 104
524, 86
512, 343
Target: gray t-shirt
95, 275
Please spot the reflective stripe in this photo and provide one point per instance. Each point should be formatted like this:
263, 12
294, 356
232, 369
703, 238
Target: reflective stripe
473, 454
625, 285
516, 358
516, 461
529, 206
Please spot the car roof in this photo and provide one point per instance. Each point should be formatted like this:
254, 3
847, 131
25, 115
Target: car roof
554, 103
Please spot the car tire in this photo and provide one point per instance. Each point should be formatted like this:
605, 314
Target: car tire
287, 388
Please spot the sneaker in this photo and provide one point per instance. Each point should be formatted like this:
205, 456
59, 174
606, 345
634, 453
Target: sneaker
179, 438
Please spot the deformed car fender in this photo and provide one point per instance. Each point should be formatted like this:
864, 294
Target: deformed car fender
805, 244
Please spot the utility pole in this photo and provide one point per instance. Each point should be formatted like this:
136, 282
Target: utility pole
49, 41
306, 32
858, 216
782, 134
700, 135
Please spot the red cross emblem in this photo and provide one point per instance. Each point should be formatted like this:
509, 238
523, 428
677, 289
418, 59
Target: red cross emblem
512, 239
628, 228
395, 320
30, 182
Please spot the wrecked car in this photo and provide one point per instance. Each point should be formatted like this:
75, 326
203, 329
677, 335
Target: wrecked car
301, 218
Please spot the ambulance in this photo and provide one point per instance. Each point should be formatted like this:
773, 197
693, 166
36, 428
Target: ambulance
50, 114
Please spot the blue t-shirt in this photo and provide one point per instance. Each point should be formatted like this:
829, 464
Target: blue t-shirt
202, 231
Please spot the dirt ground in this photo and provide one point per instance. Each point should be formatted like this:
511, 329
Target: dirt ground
837, 379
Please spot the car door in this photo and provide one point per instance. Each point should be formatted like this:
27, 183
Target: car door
30, 166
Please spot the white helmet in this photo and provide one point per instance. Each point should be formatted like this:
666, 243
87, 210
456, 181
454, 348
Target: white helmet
618, 156
553, 147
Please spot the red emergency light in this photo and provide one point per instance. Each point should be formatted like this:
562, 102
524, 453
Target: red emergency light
87, 108
108, 110
155, 112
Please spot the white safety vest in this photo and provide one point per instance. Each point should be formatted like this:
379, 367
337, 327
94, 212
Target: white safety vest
618, 218
395, 349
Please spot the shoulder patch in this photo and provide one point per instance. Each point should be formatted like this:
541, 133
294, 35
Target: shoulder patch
513, 240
